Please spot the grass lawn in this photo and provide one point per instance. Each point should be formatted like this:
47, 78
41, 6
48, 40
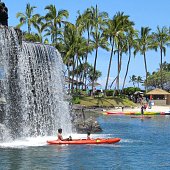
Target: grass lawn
89, 101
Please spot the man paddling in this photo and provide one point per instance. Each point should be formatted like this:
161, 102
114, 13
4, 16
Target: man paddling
88, 136
60, 137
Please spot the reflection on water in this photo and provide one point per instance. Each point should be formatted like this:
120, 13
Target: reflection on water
144, 145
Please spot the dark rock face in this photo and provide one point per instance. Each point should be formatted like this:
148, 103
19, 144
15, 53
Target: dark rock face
89, 125
84, 123
3, 14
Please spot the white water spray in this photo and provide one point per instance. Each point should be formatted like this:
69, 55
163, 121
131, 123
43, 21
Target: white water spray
32, 84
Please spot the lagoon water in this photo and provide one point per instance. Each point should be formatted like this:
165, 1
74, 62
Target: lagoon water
145, 145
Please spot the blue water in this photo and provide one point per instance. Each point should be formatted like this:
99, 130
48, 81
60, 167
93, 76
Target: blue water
145, 145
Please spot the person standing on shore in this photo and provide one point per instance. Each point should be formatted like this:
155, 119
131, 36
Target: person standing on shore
142, 110
150, 104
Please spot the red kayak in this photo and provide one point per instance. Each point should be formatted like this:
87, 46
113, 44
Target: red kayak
85, 141
114, 113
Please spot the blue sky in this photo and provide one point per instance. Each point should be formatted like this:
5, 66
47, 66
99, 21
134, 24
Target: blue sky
144, 13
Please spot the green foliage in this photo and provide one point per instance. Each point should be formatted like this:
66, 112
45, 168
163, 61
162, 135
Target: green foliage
91, 75
166, 66
76, 100
109, 92
110, 101
31, 37
27, 17
94, 30
154, 80
130, 90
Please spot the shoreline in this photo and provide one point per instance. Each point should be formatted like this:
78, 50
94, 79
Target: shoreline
85, 118
138, 109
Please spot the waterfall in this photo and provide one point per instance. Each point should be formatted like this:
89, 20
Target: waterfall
32, 85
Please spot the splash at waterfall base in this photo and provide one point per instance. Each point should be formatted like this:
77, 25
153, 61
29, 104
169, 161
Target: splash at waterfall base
32, 92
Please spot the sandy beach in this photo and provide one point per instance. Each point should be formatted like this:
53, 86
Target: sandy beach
138, 109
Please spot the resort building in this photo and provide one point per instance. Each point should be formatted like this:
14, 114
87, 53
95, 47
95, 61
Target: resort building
159, 97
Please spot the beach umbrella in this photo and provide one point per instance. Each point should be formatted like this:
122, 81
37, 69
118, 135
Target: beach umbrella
138, 92
95, 84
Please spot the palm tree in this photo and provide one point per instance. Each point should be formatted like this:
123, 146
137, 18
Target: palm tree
66, 50
117, 27
121, 44
27, 17
122, 48
75, 48
98, 40
39, 24
139, 80
144, 43
131, 34
161, 40
55, 21
90, 75
111, 32
85, 21
133, 79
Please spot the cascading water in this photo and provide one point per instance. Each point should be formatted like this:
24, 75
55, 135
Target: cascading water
32, 85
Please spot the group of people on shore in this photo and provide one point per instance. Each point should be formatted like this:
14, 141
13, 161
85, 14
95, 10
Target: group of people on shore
60, 137
144, 106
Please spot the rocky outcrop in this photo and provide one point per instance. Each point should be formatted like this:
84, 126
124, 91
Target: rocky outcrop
3, 14
83, 122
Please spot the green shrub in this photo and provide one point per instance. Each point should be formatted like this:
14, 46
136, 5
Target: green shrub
76, 100
109, 92
130, 90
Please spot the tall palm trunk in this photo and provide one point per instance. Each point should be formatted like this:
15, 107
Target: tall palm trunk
94, 71
72, 82
127, 68
56, 36
85, 70
68, 79
161, 70
85, 73
146, 71
118, 67
29, 28
113, 82
110, 63
76, 73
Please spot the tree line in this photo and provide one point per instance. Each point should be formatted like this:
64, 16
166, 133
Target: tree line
154, 78
92, 31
